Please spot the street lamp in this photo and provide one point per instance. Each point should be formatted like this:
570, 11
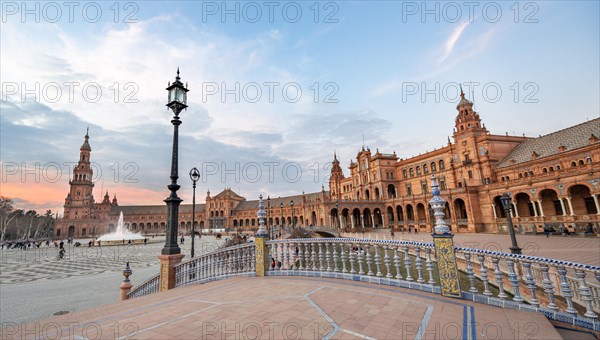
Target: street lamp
505, 199
177, 101
194, 176
337, 213
269, 226
293, 220
281, 206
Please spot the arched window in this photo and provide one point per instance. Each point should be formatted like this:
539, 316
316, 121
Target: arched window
418, 170
442, 166
573, 164
433, 167
404, 173
412, 172
425, 169
544, 170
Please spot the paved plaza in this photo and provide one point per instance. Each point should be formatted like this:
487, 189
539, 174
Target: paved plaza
291, 308
35, 285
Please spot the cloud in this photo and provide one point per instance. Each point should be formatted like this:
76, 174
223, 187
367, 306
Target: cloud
452, 40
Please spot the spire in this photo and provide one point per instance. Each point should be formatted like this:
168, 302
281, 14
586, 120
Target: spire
86, 144
462, 94
177, 78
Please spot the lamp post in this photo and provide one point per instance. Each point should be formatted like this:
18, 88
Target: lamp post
281, 206
269, 226
194, 176
293, 220
505, 199
177, 100
337, 213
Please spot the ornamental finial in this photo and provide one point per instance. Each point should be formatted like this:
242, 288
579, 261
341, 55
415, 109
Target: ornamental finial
438, 205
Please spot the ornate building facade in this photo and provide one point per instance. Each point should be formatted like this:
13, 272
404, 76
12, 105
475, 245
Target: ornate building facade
553, 180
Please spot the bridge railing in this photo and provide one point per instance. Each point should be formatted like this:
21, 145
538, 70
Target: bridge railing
561, 290
149, 286
227, 262
223, 263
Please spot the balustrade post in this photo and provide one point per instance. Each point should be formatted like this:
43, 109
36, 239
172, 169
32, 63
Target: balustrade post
335, 258
565, 288
530, 283
300, 256
513, 278
343, 257
377, 260
351, 255
499, 277
470, 274
387, 262
368, 259
586, 294
484, 275
419, 264
360, 261
397, 263
429, 265
548, 286
328, 256
407, 264
314, 257
321, 257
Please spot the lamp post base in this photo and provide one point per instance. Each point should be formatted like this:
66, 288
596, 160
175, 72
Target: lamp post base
167, 272
515, 250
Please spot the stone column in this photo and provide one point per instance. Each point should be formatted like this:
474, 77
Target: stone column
352, 220
373, 219
570, 206
444, 246
260, 239
595, 197
516, 211
541, 208
494, 210
382, 220
362, 221
167, 270
535, 212
562, 205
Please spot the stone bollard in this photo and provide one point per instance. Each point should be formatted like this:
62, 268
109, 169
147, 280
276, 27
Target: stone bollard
126, 284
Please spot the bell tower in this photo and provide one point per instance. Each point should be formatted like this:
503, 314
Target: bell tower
467, 120
337, 175
79, 203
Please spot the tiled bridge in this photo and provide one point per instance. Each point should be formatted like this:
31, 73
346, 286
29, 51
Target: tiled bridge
347, 288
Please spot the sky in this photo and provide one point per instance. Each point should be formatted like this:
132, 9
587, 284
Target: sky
275, 87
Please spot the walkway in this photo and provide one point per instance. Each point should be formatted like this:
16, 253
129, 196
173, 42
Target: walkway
290, 308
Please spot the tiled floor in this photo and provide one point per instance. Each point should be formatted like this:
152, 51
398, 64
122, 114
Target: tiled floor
289, 308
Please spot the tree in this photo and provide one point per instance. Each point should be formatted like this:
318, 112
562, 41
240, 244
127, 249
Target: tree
7, 214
